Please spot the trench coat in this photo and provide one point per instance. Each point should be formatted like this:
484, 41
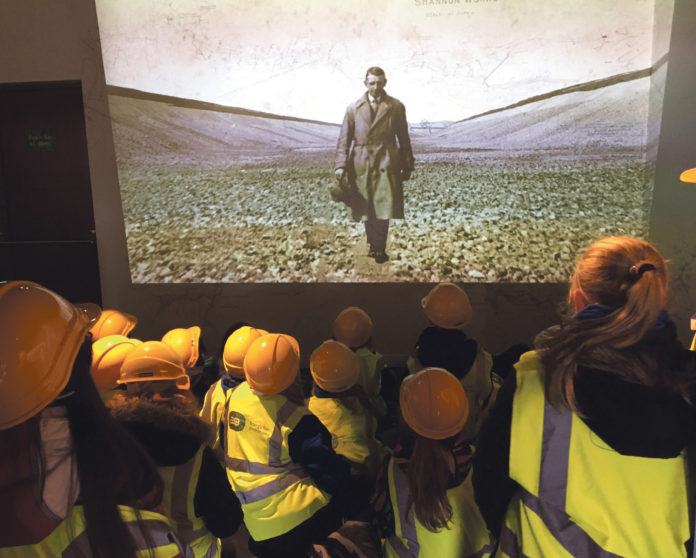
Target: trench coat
374, 154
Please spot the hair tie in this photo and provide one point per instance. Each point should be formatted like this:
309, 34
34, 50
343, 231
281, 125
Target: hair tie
636, 271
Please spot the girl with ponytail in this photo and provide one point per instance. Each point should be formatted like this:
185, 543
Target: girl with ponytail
591, 430
425, 504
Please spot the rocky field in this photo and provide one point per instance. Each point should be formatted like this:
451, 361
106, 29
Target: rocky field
470, 216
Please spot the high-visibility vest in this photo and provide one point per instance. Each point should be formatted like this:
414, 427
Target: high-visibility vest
371, 366
578, 496
465, 537
276, 494
178, 502
213, 409
352, 434
478, 385
69, 538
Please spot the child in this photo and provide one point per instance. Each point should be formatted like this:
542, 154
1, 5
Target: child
161, 413
585, 452
279, 456
189, 346
430, 510
73, 482
353, 327
234, 351
342, 406
444, 344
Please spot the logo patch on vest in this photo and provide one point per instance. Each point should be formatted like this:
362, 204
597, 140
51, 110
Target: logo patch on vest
236, 420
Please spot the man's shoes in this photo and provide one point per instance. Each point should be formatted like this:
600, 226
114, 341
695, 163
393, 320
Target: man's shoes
380, 256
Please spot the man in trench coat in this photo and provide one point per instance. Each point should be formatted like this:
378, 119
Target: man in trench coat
373, 159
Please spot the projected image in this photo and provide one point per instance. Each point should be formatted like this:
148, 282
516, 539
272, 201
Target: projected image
502, 137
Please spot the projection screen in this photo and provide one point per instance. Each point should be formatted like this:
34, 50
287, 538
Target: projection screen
533, 127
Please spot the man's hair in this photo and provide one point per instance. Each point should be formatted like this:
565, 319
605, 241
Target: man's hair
375, 71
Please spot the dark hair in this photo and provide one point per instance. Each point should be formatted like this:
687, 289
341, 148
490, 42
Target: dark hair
375, 71
112, 467
428, 476
629, 276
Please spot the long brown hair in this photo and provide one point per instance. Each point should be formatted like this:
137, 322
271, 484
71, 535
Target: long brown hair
429, 470
630, 277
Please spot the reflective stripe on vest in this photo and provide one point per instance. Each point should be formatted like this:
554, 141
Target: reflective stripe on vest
276, 494
562, 435
178, 501
466, 536
151, 532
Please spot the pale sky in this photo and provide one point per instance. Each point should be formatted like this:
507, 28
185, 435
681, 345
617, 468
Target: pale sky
307, 58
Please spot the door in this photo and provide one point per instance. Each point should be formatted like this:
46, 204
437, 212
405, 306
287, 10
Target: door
46, 214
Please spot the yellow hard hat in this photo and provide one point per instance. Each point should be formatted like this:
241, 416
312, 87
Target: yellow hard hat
334, 367
113, 322
153, 361
447, 306
688, 175
108, 354
41, 336
236, 348
352, 327
433, 403
185, 343
272, 362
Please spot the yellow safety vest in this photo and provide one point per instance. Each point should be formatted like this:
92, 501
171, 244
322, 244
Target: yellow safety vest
179, 491
352, 434
213, 409
371, 366
69, 538
466, 536
276, 494
580, 498
478, 384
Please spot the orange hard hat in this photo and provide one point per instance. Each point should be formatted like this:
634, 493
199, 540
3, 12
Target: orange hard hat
185, 343
113, 322
153, 361
334, 367
352, 327
447, 306
42, 334
236, 348
688, 175
108, 354
433, 403
271, 363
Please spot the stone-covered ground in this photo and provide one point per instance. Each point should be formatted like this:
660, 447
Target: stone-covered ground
470, 217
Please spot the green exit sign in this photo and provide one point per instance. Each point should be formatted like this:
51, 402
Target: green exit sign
41, 140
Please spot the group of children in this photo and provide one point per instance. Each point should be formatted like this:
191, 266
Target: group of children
300, 464
337, 470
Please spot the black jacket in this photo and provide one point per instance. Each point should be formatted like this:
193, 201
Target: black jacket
172, 438
632, 419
